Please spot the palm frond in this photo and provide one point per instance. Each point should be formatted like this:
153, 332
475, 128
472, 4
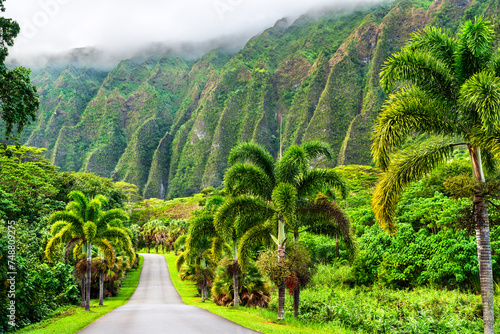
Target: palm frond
81, 201
113, 214
57, 227
254, 236
202, 226
65, 216
249, 218
405, 168
214, 202
487, 143
316, 148
322, 216
285, 200
293, 163
74, 207
481, 94
254, 154
436, 41
317, 179
181, 259
217, 250
475, 48
53, 244
490, 162
419, 68
89, 230
78, 250
93, 210
247, 179
107, 249
103, 199
244, 206
409, 110
117, 235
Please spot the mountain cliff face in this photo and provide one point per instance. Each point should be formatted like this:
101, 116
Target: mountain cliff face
167, 124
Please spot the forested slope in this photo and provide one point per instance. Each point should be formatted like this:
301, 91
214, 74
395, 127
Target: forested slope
167, 123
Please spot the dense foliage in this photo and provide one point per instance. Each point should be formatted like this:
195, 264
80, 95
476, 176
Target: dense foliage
168, 123
422, 279
30, 190
19, 97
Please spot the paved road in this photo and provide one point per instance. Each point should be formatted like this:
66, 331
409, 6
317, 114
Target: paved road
156, 307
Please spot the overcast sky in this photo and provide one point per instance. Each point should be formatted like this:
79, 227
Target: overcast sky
124, 26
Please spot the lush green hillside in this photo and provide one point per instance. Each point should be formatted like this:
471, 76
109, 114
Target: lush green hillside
167, 124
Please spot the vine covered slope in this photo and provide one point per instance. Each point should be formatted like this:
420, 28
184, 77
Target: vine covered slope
167, 123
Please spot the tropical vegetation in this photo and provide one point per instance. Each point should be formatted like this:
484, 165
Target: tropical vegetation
31, 191
447, 86
267, 195
406, 244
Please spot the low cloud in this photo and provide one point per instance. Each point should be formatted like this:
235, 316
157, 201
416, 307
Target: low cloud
121, 28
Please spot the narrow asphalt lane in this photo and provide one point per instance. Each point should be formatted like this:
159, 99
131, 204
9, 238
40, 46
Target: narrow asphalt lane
156, 307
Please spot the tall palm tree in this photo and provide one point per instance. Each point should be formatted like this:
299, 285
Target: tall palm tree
203, 244
111, 235
83, 223
448, 86
202, 230
197, 259
268, 195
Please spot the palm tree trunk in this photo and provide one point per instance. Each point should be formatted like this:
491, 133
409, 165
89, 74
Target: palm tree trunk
101, 282
296, 301
101, 288
281, 301
203, 288
296, 292
83, 289
236, 272
482, 225
337, 244
282, 289
89, 275
481, 222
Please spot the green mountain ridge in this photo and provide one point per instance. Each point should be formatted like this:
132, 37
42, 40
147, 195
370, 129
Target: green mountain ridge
167, 123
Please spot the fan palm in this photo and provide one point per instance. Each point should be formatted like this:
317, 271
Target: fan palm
82, 224
176, 228
444, 85
155, 232
268, 195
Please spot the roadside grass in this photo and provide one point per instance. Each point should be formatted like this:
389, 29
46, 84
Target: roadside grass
71, 319
261, 320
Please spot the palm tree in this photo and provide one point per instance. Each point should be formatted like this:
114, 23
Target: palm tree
82, 224
448, 86
111, 235
176, 228
268, 195
203, 244
154, 231
196, 262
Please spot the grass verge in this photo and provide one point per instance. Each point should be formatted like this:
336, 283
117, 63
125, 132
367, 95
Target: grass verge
261, 320
71, 319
